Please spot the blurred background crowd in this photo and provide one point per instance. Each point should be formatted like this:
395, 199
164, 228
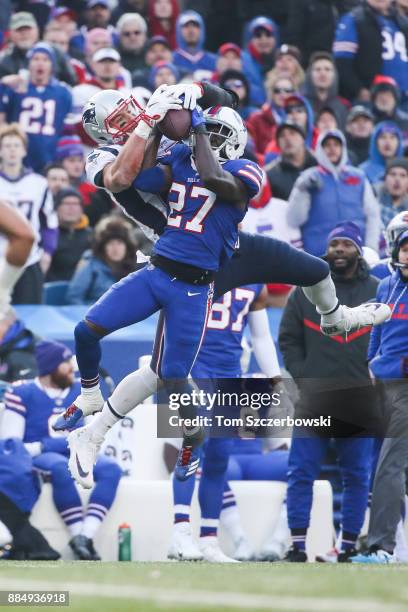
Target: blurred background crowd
300, 69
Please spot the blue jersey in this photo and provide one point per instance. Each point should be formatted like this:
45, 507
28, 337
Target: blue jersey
221, 351
40, 410
382, 269
202, 229
41, 113
394, 48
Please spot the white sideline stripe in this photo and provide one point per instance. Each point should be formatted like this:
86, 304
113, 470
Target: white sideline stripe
234, 599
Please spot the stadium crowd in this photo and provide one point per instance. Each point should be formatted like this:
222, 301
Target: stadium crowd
322, 86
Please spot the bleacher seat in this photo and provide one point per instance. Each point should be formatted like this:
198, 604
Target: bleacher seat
54, 293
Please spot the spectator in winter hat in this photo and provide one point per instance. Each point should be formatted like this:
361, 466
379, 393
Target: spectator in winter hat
235, 80
229, 58
132, 30
98, 14
163, 73
385, 143
24, 34
287, 63
65, 18
74, 235
299, 110
158, 50
385, 97
97, 17
190, 54
163, 15
359, 127
259, 56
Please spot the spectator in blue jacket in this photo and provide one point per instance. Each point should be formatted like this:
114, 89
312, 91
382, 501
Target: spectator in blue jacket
385, 144
258, 58
190, 54
113, 257
331, 193
388, 361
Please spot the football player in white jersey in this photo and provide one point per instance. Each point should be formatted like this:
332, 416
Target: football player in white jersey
28, 192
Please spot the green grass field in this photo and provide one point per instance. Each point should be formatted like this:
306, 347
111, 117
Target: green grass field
148, 587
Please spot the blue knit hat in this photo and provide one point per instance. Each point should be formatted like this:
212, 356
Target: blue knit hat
43, 47
347, 231
50, 355
156, 67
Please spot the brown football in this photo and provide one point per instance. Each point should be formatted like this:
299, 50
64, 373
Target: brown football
176, 125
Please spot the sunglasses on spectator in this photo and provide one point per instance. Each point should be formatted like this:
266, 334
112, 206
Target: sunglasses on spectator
230, 84
296, 109
280, 90
130, 32
261, 32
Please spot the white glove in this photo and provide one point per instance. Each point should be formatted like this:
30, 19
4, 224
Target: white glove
161, 101
191, 92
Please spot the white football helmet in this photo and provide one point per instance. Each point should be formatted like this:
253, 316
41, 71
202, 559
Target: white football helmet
109, 117
396, 226
227, 132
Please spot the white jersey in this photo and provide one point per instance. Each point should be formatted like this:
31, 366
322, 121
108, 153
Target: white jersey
31, 196
270, 220
95, 163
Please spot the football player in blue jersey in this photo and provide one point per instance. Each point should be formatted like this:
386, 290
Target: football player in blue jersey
39, 106
110, 119
30, 409
219, 358
396, 226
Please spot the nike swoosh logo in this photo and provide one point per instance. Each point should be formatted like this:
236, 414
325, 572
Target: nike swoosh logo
24, 372
191, 294
80, 470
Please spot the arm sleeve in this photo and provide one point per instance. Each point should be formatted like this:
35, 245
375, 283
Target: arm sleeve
214, 96
345, 48
248, 172
291, 336
373, 217
263, 344
298, 206
375, 335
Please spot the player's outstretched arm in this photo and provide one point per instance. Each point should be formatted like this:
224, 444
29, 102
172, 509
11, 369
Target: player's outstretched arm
214, 178
120, 174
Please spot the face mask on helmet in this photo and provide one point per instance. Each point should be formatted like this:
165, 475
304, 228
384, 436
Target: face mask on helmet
110, 118
394, 229
228, 136
399, 241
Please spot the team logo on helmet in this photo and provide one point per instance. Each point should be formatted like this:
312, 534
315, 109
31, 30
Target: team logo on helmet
89, 116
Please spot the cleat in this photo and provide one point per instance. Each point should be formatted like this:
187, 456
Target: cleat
83, 451
295, 555
182, 546
336, 556
271, 552
94, 555
374, 557
83, 406
369, 314
212, 552
79, 546
187, 462
276, 545
243, 551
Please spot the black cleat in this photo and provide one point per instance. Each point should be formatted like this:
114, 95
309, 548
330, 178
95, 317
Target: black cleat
79, 546
295, 555
91, 548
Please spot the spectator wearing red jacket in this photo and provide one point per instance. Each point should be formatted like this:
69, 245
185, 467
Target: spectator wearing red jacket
162, 17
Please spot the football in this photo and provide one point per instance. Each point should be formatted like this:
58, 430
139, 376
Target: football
176, 124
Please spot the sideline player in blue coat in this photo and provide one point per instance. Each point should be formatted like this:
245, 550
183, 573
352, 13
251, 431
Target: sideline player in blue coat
31, 408
109, 119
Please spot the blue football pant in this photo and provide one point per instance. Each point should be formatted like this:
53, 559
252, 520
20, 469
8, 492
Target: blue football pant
142, 293
107, 474
305, 459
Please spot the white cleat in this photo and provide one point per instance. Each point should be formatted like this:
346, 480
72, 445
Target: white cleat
212, 552
182, 546
330, 557
243, 551
369, 314
83, 452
